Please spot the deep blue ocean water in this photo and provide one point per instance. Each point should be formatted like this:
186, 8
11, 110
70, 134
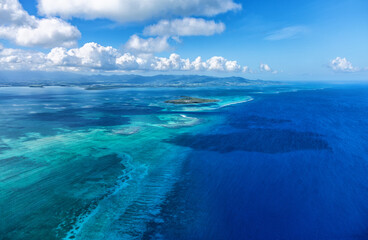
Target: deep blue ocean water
285, 166
290, 164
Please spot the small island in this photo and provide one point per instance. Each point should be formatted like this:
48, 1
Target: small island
191, 100
36, 86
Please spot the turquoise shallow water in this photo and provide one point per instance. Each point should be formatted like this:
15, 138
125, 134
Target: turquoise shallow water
92, 164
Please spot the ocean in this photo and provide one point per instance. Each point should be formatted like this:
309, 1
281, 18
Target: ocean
265, 162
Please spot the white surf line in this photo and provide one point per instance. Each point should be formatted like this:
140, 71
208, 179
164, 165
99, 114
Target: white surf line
185, 116
238, 102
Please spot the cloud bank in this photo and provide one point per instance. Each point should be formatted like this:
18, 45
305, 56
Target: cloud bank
94, 57
18, 26
132, 10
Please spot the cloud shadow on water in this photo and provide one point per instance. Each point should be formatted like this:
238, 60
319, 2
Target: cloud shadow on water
254, 140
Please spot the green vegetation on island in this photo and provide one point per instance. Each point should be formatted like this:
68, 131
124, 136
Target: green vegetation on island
107, 82
191, 100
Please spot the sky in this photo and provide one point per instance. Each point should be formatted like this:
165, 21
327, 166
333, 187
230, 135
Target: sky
270, 39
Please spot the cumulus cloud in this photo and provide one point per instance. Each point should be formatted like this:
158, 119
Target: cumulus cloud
133, 10
149, 45
26, 30
184, 27
342, 65
91, 55
176, 28
18, 59
264, 68
221, 64
11, 12
175, 62
286, 33
44, 33
131, 62
94, 57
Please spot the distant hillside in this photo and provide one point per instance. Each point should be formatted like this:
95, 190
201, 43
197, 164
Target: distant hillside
98, 82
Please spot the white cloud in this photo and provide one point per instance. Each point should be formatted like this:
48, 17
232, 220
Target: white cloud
134, 10
174, 62
26, 30
149, 45
11, 12
94, 57
198, 65
266, 68
286, 33
165, 29
232, 66
18, 59
342, 65
91, 55
131, 62
184, 27
217, 63
49, 32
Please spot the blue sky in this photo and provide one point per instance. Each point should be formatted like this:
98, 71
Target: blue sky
281, 40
